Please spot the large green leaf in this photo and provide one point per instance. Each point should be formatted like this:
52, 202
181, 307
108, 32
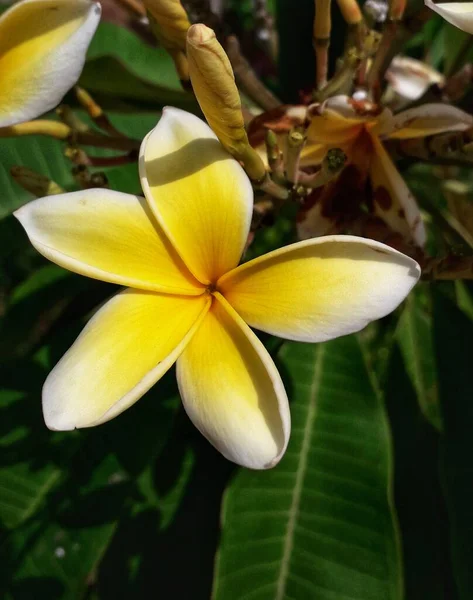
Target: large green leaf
150, 64
414, 335
122, 67
321, 524
111, 82
454, 347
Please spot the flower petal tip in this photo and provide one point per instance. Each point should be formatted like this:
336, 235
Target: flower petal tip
50, 46
459, 14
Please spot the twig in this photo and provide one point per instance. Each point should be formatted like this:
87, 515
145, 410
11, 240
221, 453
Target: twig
134, 7
448, 268
247, 79
272, 188
295, 141
342, 78
275, 157
321, 40
95, 112
264, 28
68, 116
61, 131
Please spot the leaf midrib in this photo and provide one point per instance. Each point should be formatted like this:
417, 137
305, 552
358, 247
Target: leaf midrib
300, 475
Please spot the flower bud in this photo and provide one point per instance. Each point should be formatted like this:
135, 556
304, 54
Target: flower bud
214, 85
35, 183
169, 23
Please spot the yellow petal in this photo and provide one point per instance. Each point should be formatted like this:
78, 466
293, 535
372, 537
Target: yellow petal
428, 119
459, 14
42, 53
340, 120
332, 130
393, 202
232, 391
125, 348
198, 192
313, 153
109, 236
320, 289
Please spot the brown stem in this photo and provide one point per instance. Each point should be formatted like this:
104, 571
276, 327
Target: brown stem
95, 112
134, 7
272, 188
265, 31
321, 40
448, 268
247, 79
61, 131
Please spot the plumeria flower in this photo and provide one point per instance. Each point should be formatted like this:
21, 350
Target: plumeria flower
459, 14
42, 53
189, 301
409, 79
358, 128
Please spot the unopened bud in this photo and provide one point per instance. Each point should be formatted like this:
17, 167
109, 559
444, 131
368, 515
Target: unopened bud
169, 23
35, 183
214, 85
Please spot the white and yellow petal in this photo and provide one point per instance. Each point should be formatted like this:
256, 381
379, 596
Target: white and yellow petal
125, 348
42, 52
392, 200
410, 78
428, 119
232, 390
459, 14
200, 195
320, 289
106, 235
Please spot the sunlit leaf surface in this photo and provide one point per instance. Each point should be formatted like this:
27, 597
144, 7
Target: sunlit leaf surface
321, 524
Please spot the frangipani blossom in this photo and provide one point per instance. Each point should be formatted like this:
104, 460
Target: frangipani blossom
459, 14
409, 79
358, 128
189, 301
42, 52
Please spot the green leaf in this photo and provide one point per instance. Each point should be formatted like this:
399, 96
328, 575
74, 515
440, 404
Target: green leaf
23, 485
464, 293
111, 82
145, 61
453, 336
34, 306
121, 66
415, 338
321, 524
66, 493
